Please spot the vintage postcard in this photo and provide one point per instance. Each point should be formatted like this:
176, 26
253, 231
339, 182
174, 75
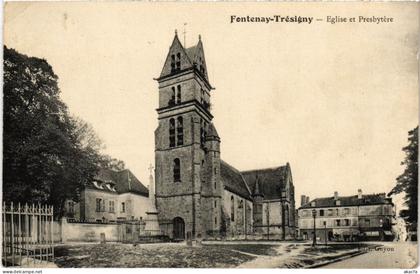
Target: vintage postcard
210, 135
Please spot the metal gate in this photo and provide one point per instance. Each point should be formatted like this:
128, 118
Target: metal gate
27, 234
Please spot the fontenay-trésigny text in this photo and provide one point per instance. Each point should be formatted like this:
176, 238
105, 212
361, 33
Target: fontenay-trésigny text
269, 19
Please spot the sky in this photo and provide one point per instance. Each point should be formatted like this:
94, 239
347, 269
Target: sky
334, 100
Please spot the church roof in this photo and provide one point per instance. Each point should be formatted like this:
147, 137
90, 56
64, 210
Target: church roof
369, 199
119, 182
233, 180
270, 181
191, 52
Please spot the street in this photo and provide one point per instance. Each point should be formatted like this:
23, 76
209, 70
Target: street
390, 255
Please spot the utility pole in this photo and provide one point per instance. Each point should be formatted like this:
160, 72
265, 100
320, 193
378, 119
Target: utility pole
325, 229
268, 221
314, 234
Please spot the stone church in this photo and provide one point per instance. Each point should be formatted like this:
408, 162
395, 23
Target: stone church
198, 195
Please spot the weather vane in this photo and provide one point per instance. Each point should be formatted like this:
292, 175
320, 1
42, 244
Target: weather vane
185, 35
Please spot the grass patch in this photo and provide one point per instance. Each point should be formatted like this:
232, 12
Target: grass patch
166, 256
264, 250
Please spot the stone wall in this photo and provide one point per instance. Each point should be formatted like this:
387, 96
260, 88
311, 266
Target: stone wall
88, 232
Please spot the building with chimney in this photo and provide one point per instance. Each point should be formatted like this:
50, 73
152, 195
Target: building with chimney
198, 195
112, 196
347, 218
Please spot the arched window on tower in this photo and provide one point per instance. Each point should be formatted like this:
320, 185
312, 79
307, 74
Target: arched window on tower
177, 170
172, 62
232, 208
178, 61
180, 131
172, 100
178, 94
202, 132
172, 132
286, 215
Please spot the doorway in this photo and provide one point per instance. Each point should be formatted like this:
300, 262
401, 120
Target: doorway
179, 228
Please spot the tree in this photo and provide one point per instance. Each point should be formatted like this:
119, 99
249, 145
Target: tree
407, 182
112, 163
48, 156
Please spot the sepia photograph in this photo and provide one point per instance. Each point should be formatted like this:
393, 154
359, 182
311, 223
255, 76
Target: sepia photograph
210, 135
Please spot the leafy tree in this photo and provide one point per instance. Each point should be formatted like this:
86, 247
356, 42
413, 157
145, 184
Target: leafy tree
112, 163
408, 181
48, 156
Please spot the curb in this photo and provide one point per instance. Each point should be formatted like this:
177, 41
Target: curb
336, 260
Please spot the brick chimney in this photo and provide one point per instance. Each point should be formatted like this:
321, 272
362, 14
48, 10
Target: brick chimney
359, 194
307, 200
335, 195
302, 200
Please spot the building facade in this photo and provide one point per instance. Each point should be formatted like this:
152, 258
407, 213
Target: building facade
274, 201
198, 195
347, 218
113, 196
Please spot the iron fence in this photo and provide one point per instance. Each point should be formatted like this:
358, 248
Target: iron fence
27, 234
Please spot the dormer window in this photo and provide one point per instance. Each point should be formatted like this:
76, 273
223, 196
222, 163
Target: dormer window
337, 202
313, 203
98, 184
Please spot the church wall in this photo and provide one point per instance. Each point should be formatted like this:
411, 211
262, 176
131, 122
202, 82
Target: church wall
242, 221
211, 211
188, 85
165, 184
162, 132
191, 87
172, 207
272, 222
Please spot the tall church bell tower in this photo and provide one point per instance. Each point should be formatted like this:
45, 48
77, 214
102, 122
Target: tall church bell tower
187, 150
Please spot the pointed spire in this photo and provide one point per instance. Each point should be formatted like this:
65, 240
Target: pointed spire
212, 133
176, 32
199, 37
